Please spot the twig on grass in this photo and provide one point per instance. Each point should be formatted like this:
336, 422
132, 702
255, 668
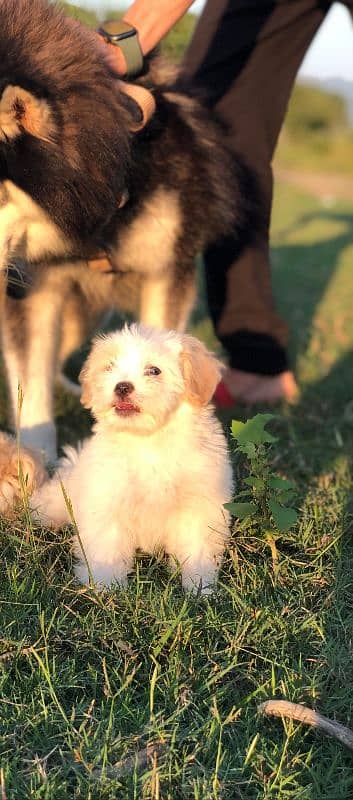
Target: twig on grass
139, 760
283, 708
2, 785
41, 763
123, 646
25, 651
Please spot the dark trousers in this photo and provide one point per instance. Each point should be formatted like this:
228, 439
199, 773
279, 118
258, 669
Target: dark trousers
246, 54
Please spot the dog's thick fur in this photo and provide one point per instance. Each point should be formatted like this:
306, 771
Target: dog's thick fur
69, 159
156, 471
63, 130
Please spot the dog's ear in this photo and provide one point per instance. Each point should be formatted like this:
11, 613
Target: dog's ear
22, 112
85, 381
201, 371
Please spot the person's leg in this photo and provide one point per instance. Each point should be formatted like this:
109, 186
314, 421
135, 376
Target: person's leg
245, 54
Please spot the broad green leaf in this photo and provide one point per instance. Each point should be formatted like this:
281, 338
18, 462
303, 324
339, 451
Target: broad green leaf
249, 449
236, 427
279, 483
253, 430
285, 497
284, 518
255, 482
241, 510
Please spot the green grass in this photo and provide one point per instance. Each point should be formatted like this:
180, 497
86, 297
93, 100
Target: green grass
317, 134
317, 152
90, 679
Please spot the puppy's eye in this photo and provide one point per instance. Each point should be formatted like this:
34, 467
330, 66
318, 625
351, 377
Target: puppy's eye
152, 371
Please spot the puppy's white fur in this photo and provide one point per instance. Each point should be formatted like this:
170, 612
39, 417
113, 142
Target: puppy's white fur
156, 475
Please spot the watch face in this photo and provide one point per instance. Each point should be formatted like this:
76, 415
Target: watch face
122, 34
116, 29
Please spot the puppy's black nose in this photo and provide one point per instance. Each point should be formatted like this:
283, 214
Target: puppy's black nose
124, 388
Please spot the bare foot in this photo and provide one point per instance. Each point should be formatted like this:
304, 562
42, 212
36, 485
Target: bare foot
250, 388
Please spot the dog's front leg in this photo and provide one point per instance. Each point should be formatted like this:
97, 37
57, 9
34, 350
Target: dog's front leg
167, 299
30, 333
103, 553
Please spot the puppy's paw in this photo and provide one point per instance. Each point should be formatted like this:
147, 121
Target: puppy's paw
198, 584
200, 578
82, 574
101, 574
21, 472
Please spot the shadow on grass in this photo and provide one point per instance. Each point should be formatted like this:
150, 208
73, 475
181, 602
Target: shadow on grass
316, 448
303, 271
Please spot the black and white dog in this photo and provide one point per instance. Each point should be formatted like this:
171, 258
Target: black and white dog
78, 176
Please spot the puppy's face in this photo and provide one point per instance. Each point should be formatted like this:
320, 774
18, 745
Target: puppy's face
136, 379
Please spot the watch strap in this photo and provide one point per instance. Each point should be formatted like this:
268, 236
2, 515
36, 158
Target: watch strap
132, 54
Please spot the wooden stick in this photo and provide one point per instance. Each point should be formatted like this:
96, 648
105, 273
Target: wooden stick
283, 708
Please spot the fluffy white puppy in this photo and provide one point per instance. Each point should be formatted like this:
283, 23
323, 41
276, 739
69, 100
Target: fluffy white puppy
156, 471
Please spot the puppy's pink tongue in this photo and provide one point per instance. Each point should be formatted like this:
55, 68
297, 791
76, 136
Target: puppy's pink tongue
125, 406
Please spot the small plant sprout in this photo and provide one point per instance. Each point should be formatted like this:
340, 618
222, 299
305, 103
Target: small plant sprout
264, 503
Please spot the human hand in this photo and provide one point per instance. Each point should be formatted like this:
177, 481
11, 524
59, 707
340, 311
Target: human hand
114, 55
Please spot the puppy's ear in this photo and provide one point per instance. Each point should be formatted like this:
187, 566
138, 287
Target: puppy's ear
22, 112
85, 381
201, 371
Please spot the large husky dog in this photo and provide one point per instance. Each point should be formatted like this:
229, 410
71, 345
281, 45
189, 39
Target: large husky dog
77, 176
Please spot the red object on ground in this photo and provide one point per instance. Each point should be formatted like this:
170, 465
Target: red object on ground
222, 397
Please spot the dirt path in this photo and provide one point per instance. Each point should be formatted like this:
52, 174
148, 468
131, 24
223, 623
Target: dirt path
326, 187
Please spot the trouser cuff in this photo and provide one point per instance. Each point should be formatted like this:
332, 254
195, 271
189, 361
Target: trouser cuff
255, 352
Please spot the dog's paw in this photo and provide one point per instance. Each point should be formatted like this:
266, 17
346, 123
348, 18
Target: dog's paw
82, 574
21, 472
199, 580
101, 574
197, 585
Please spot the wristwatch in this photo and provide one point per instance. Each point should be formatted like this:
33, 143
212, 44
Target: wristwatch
125, 36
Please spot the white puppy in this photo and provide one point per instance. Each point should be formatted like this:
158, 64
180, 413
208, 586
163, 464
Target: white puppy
156, 471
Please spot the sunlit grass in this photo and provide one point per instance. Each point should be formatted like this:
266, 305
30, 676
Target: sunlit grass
88, 680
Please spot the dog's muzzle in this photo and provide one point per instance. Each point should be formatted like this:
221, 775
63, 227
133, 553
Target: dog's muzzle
123, 404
